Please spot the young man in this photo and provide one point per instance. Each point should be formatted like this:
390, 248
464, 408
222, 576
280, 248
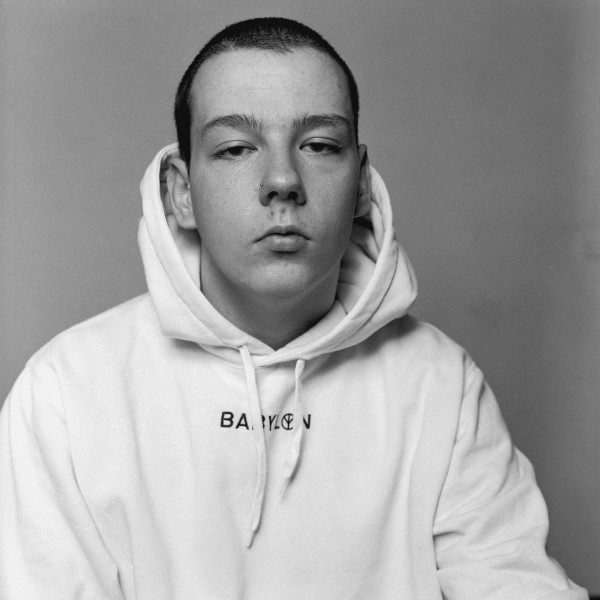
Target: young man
268, 422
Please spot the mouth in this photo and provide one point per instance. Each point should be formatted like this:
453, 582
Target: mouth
283, 230
284, 238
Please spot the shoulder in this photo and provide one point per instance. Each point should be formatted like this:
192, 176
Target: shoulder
421, 360
109, 333
420, 342
425, 357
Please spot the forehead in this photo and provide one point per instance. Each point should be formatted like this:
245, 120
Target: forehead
269, 85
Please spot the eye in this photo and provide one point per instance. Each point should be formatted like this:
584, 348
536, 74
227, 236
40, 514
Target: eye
321, 147
233, 152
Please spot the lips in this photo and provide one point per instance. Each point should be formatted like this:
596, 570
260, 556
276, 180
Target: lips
284, 238
284, 230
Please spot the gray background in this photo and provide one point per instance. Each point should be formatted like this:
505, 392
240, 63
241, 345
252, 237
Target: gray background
481, 115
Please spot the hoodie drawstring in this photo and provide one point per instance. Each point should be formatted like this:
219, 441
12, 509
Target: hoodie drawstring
291, 461
259, 440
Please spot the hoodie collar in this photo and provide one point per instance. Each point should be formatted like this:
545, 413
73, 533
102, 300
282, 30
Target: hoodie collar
376, 283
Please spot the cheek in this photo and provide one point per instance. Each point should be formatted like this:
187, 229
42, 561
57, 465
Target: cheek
336, 226
220, 211
220, 224
340, 201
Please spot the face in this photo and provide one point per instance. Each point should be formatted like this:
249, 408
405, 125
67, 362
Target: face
275, 173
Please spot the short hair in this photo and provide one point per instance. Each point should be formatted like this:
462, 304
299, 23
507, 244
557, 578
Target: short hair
272, 34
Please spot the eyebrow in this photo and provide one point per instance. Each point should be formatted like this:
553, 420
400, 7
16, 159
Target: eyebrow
233, 121
240, 121
328, 120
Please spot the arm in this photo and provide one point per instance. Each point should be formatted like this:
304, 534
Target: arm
491, 522
49, 545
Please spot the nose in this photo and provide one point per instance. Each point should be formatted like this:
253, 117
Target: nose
281, 181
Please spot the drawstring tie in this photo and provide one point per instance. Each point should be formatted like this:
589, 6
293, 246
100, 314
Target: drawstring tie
259, 440
291, 462
292, 459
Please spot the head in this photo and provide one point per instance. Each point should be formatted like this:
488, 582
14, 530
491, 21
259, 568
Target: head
271, 175
272, 34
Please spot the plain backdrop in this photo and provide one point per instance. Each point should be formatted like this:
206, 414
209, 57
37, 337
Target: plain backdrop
481, 115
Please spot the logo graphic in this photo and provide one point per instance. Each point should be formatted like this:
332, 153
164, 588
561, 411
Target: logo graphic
286, 421
230, 420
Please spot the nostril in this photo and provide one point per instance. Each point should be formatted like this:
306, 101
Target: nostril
290, 196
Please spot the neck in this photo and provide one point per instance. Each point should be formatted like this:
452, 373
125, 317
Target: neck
273, 320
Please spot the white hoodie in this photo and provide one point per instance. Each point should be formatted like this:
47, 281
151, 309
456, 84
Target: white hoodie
157, 452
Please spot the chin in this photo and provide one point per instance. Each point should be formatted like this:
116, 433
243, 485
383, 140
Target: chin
281, 290
289, 286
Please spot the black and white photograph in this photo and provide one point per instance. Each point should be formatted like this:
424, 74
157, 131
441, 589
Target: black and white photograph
300, 300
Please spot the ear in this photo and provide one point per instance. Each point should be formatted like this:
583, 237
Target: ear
363, 198
179, 193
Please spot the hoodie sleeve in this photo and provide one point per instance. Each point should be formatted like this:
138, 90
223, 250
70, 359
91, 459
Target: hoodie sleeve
49, 545
491, 523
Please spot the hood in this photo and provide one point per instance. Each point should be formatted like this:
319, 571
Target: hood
376, 282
